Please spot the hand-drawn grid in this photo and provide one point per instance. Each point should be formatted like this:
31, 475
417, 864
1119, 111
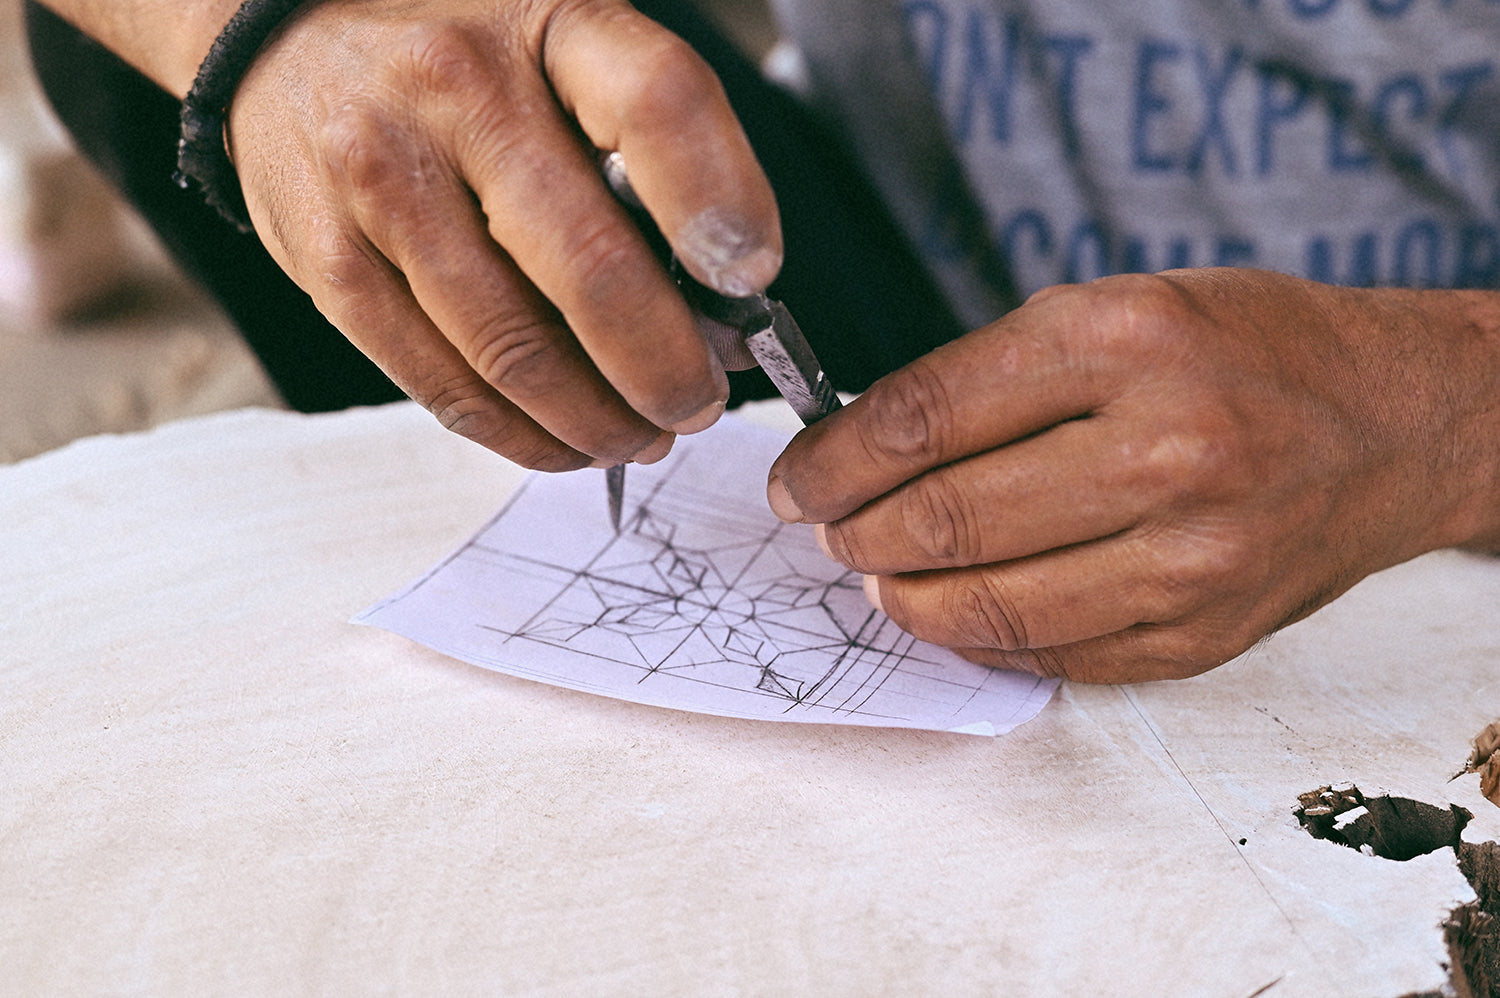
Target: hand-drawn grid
701, 601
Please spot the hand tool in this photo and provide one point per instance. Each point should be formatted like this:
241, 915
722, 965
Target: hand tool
768, 329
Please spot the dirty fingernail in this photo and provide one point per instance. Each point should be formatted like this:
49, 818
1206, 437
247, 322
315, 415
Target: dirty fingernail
656, 450
781, 501
706, 417
872, 592
729, 254
748, 276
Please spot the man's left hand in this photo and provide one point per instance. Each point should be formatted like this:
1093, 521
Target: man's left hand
1141, 477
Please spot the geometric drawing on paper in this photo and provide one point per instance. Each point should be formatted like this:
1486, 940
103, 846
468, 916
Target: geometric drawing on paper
703, 601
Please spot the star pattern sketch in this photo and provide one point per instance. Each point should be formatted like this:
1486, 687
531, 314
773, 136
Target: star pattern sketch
703, 601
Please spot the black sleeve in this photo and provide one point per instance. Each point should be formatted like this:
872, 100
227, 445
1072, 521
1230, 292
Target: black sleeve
860, 294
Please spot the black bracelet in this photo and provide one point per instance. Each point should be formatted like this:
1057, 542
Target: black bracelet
201, 156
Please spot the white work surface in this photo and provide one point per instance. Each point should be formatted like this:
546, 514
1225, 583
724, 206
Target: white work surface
210, 782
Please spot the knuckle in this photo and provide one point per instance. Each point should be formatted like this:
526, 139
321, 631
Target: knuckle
1145, 295
1201, 568
863, 550
322, 253
463, 406
984, 612
518, 353
845, 545
345, 264
909, 414
941, 522
669, 82
1192, 571
1139, 315
1047, 663
445, 59
612, 275
343, 273
1050, 292
1190, 650
360, 147
1187, 460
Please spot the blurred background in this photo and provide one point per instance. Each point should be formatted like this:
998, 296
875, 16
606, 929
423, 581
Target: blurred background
98, 332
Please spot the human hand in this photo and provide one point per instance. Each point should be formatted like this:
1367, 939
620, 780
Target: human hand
1141, 477
424, 169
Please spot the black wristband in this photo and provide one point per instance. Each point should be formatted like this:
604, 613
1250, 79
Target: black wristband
201, 156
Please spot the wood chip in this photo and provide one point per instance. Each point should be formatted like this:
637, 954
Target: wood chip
1485, 762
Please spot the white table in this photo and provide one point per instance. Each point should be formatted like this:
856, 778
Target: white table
211, 783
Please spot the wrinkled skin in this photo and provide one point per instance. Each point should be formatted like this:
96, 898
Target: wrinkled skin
426, 171
1141, 477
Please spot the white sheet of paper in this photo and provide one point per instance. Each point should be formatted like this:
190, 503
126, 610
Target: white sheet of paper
704, 601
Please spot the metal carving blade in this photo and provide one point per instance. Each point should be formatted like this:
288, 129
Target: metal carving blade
614, 478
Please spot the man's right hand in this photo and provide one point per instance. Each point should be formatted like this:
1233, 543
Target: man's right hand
425, 170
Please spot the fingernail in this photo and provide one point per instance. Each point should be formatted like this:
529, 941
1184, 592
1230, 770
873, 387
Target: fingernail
872, 592
603, 462
749, 276
781, 501
730, 256
656, 450
705, 418
821, 533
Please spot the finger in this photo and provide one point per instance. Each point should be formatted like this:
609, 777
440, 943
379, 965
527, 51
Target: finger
727, 343
546, 204
637, 88
1145, 653
1061, 358
936, 410
362, 294
1050, 291
1002, 505
416, 212
1057, 598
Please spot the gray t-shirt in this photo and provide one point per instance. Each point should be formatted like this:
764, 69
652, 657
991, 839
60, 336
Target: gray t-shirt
1349, 141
